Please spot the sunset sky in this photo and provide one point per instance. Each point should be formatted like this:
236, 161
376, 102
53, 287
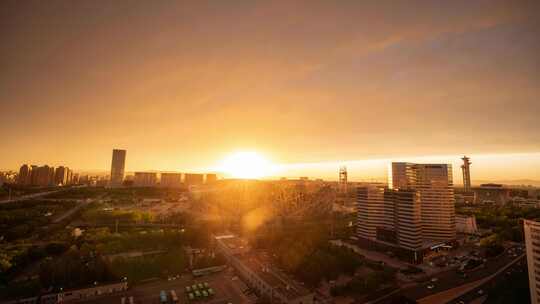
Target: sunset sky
308, 84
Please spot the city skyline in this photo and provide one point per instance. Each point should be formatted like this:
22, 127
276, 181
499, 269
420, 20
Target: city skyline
184, 84
359, 170
276, 152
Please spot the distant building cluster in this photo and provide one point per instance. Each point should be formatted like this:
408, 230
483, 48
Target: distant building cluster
150, 179
499, 194
491, 194
8, 177
413, 214
45, 176
495, 194
171, 180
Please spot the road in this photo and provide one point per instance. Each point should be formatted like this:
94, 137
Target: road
451, 280
39, 194
472, 288
29, 196
81, 204
497, 281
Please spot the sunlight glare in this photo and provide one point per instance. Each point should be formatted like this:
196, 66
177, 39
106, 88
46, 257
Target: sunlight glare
246, 165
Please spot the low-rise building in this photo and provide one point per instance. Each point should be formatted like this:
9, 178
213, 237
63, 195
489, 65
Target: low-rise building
525, 202
491, 194
259, 274
73, 294
466, 224
89, 292
171, 180
211, 178
145, 179
193, 179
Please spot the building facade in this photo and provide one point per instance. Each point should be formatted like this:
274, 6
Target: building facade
491, 194
118, 165
171, 180
61, 175
415, 213
466, 224
44, 176
25, 175
193, 179
435, 186
371, 211
532, 243
408, 219
211, 178
145, 179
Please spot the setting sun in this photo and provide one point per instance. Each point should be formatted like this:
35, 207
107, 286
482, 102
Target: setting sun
246, 165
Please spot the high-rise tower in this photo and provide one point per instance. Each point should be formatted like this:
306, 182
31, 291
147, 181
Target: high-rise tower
117, 167
371, 211
343, 179
466, 173
25, 175
434, 184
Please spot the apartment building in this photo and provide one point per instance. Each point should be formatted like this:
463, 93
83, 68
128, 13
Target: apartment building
532, 244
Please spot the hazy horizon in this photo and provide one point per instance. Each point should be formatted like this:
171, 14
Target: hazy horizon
508, 167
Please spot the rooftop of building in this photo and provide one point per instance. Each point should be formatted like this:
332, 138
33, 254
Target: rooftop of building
491, 185
274, 277
531, 223
231, 241
260, 264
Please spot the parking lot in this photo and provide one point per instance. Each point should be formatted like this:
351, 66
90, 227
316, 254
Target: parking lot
226, 288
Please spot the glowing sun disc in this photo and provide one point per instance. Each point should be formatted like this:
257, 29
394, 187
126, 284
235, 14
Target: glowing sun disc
246, 165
